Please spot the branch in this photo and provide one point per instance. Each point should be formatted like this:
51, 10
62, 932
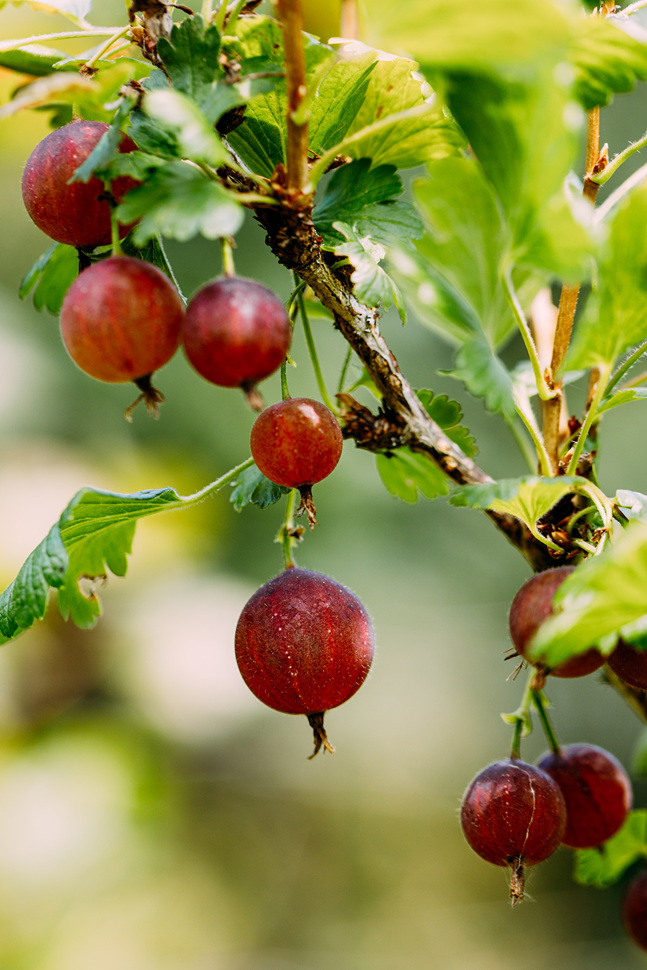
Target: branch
290, 16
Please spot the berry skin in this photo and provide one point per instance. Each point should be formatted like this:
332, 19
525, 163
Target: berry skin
120, 321
531, 606
513, 814
634, 909
596, 789
297, 443
236, 333
73, 214
629, 664
304, 644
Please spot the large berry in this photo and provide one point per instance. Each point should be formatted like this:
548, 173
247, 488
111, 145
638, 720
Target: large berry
513, 814
75, 214
236, 332
304, 644
531, 606
596, 789
634, 909
296, 443
121, 320
629, 664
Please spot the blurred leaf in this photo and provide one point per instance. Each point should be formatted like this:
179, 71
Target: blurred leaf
448, 415
336, 98
623, 397
607, 58
639, 757
178, 201
76, 10
94, 533
88, 95
603, 866
32, 59
50, 277
364, 198
472, 35
633, 504
405, 474
485, 376
604, 594
621, 320
252, 487
371, 284
107, 146
180, 117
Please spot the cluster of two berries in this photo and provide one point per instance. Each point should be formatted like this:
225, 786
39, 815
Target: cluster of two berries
304, 642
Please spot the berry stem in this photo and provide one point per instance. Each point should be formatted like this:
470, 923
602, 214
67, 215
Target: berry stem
233, 16
114, 230
539, 700
287, 535
227, 249
312, 350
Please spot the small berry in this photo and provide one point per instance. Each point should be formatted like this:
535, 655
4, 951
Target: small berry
236, 333
634, 909
304, 644
297, 443
531, 606
629, 664
120, 321
513, 814
77, 214
596, 789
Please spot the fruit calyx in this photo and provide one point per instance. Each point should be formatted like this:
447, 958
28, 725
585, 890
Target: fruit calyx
316, 722
151, 397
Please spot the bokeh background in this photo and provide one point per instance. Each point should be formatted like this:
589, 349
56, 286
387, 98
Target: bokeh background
153, 814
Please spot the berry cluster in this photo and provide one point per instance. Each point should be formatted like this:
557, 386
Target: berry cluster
516, 814
304, 643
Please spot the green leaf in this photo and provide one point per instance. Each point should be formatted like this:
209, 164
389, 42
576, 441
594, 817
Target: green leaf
528, 499
180, 117
252, 487
603, 595
603, 866
335, 100
364, 198
485, 376
178, 201
633, 504
93, 534
448, 414
190, 56
607, 58
371, 284
619, 320
107, 146
623, 397
50, 277
405, 474
92, 97
32, 59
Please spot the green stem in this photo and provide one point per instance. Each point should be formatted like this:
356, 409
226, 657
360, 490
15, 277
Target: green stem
101, 50
525, 413
286, 533
233, 16
612, 200
539, 702
544, 391
522, 722
220, 16
114, 233
522, 443
213, 487
312, 351
601, 177
227, 251
632, 359
344, 369
590, 418
207, 11
10, 45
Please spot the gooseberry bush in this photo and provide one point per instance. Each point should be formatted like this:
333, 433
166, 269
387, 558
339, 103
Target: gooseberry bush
177, 122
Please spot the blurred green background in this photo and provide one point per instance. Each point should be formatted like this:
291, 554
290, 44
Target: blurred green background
153, 814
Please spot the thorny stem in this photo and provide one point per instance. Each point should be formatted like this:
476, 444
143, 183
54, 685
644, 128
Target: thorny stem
567, 305
539, 702
290, 16
312, 351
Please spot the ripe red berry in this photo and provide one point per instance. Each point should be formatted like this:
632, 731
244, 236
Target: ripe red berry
236, 333
531, 606
297, 443
634, 909
513, 814
120, 321
75, 214
629, 664
596, 789
304, 644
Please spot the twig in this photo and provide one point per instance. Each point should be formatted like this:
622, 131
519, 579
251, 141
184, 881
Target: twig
290, 16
